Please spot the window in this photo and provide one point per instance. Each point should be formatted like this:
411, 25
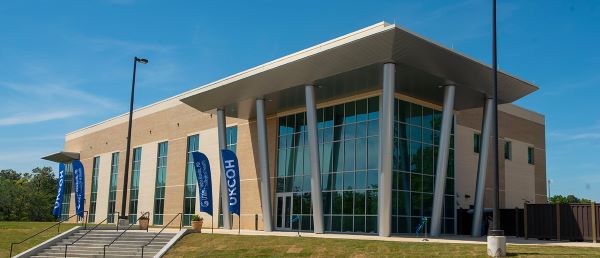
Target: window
135, 184
507, 150
66, 201
161, 180
189, 196
94, 192
476, 142
530, 155
112, 190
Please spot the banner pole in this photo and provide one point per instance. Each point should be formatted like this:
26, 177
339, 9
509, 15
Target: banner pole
212, 224
239, 223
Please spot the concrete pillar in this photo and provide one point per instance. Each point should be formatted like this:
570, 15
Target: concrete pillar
442, 161
263, 162
488, 115
315, 179
386, 149
221, 127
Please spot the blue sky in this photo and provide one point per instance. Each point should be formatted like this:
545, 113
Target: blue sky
67, 64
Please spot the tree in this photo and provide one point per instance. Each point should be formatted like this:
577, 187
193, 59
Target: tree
27, 196
567, 199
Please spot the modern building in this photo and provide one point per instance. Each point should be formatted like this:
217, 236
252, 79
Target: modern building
381, 126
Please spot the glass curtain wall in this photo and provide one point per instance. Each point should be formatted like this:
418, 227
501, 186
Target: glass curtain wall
94, 190
349, 153
135, 184
66, 201
349, 159
112, 190
416, 140
189, 196
161, 180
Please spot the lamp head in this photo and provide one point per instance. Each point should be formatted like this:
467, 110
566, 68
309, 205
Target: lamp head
141, 60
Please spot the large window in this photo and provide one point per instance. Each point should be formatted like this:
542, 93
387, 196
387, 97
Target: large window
68, 189
349, 154
112, 190
94, 192
416, 140
189, 196
530, 155
476, 142
135, 184
161, 180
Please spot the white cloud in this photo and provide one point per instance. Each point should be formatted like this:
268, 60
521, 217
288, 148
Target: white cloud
32, 118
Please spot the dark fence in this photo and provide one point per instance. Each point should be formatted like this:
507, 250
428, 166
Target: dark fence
573, 222
511, 221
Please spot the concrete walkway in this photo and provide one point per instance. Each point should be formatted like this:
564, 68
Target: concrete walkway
446, 239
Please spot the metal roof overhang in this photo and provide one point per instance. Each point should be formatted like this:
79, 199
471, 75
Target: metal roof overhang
62, 157
351, 65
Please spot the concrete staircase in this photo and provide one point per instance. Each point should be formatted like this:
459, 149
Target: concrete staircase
92, 244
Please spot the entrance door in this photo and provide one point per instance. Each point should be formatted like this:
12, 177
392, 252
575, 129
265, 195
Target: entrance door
284, 211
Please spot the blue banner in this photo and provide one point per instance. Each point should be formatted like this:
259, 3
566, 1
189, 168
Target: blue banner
202, 167
79, 187
61, 188
232, 177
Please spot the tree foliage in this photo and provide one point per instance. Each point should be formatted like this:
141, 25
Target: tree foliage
27, 196
567, 199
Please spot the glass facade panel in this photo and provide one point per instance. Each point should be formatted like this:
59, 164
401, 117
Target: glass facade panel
112, 190
530, 156
161, 180
66, 201
189, 195
135, 184
507, 150
417, 131
349, 161
94, 190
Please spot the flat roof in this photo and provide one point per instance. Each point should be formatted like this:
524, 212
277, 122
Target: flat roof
345, 65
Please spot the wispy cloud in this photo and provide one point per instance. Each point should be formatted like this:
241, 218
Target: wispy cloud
32, 118
100, 44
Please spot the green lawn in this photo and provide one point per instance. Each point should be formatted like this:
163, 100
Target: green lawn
207, 245
16, 231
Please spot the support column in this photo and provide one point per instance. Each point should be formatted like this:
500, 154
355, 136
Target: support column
488, 115
386, 149
263, 162
315, 178
221, 127
442, 161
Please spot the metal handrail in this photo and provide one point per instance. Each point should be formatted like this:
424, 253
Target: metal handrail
163, 228
113, 215
105, 246
36, 234
84, 234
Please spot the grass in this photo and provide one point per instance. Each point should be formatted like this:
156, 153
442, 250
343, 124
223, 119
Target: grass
11, 231
207, 245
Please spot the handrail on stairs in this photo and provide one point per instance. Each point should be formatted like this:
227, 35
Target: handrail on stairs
84, 234
105, 246
46, 229
163, 228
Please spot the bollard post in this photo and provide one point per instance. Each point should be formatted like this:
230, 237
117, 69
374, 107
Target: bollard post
255, 221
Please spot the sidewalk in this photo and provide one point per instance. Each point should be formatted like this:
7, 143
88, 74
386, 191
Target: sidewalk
445, 239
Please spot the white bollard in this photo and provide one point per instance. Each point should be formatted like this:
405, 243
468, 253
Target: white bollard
496, 246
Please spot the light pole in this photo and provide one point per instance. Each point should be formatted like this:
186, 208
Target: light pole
549, 182
123, 218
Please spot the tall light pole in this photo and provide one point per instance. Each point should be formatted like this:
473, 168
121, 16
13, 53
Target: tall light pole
123, 219
496, 241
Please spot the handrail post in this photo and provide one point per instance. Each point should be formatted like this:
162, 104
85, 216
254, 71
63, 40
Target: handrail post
525, 220
593, 206
558, 221
11, 247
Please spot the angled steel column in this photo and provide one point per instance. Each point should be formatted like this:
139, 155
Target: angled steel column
442, 161
386, 149
263, 162
486, 128
221, 127
315, 178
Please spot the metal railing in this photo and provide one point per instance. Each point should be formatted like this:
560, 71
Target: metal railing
84, 234
113, 217
180, 215
130, 225
46, 229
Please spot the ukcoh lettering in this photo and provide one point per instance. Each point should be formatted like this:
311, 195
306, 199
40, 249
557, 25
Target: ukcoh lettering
60, 185
231, 183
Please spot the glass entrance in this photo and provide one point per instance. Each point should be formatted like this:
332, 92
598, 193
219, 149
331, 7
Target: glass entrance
284, 211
